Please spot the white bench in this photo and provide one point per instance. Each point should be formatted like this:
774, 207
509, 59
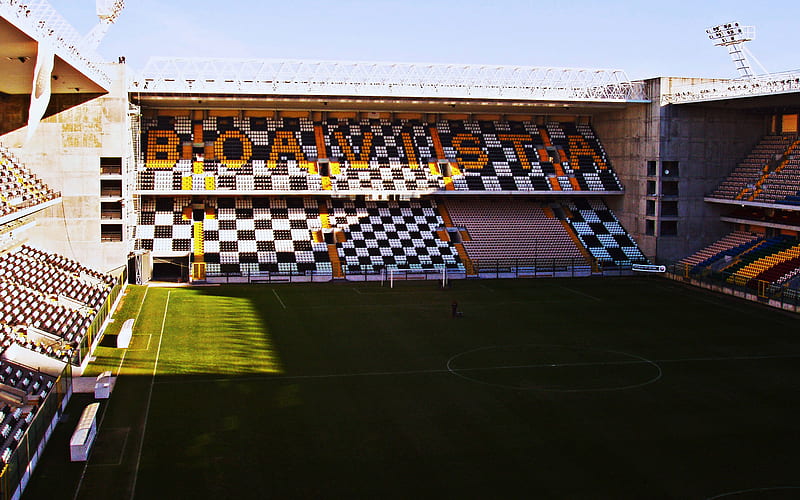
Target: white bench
82, 439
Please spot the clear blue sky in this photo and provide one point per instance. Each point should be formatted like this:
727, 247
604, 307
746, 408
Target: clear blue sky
645, 39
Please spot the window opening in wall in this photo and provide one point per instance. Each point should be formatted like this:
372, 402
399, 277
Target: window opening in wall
669, 188
669, 209
652, 168
110, 232
669, 168
110, 187
651, 188
111, 210
649, 227
650, 208
669, 228
111, 165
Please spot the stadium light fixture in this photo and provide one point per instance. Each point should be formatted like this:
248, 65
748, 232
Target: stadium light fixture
733, 36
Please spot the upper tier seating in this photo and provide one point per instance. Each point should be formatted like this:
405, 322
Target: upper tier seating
279, 155
601, 233
508, 229
19, 188
54, 295
767, 175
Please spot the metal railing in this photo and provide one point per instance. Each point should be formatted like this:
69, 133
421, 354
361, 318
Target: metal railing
482, 269
781, 296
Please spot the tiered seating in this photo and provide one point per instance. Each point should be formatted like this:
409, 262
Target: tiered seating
783, 186
730, 245
264, 235
48, 302
517, 156
746, 181
380, 155
50, 293
15, 415
19, 188
392, 235
240, 235
279, 155
163, 226
780, 252
585, 157
511, 229
601, 233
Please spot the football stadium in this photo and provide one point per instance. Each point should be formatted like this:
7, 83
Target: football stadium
490, 281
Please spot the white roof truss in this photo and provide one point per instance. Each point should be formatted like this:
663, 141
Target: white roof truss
380, 79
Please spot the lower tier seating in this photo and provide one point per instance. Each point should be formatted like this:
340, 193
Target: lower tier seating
510, 229
17, 412
747, 259
601, 232
48, 302
730, 245
271, 234
392, 235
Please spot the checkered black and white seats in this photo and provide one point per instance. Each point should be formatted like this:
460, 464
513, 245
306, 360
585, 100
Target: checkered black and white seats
392, 235
601, 233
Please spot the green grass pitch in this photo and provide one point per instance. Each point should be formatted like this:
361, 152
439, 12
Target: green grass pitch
582, 388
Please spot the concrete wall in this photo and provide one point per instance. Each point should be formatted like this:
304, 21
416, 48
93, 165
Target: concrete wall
65, 152
706, 140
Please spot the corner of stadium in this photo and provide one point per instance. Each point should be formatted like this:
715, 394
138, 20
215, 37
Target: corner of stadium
433, 204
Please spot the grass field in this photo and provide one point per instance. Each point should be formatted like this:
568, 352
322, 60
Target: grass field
582, 388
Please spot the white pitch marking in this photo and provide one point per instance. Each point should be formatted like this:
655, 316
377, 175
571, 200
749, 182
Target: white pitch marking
150, 397
279, 298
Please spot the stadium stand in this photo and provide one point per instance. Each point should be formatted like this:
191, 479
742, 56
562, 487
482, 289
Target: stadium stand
48, 301
19, 187
601, 233
758, 177
512, 230
407, 235
21, 391
730, 245
280, 154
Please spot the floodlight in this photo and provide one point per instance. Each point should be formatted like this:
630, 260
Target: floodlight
734, 35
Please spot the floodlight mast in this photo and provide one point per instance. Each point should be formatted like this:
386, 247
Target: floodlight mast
734, 35
107, 11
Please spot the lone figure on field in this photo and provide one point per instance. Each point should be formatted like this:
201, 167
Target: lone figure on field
454, 308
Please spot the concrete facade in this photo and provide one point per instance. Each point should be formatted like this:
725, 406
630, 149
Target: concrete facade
65, 152
706, 141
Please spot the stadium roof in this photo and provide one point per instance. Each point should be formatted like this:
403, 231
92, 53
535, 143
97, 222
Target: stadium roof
694, 91
23, 27
381, 79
